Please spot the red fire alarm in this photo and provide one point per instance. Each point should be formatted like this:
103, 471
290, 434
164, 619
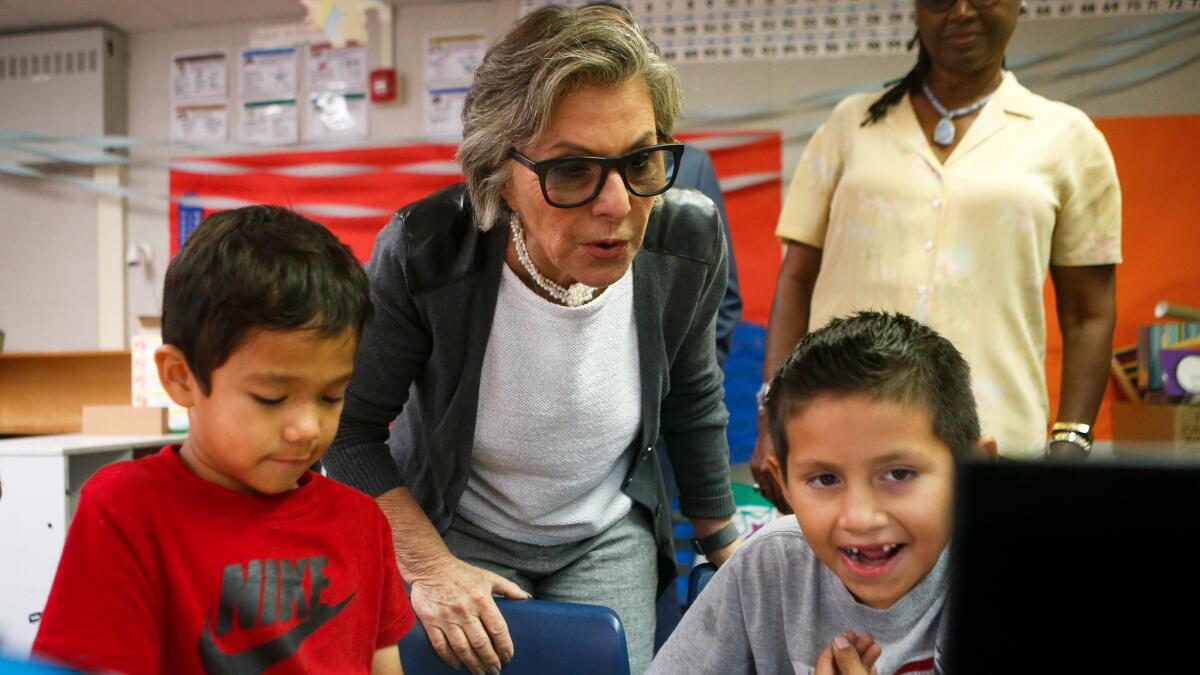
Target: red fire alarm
383, 85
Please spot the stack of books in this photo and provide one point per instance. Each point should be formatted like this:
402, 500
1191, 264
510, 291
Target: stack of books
1148, 370
1160, 378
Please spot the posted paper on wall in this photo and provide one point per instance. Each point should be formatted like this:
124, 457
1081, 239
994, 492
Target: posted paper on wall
200, 123
270, 122
328, 68
199, 75
336, 115
199, 97
268, 73
452, 59
147, 389
443, 111
450, 63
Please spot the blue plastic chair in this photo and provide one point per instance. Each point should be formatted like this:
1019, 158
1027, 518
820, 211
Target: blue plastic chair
8, 666
550, 638
698, 579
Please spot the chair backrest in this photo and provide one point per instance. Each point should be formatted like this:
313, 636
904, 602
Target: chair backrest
8, 666
550, 637
698, 579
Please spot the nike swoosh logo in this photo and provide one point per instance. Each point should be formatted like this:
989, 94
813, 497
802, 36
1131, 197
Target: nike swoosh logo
254, 660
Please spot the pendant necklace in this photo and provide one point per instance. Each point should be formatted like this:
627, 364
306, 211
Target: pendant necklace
575, 296
944, 132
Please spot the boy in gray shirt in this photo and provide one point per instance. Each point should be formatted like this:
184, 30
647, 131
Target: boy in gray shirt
867, 415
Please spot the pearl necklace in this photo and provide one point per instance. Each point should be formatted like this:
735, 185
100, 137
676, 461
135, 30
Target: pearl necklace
944, 132
575, 296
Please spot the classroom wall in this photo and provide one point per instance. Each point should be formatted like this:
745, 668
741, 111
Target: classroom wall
393, 122
48, 263
40, 311
776, 82
773, 84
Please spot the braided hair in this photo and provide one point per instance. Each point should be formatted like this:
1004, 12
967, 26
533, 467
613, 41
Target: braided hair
901, 87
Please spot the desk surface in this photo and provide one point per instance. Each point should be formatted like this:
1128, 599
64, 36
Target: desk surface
58, 445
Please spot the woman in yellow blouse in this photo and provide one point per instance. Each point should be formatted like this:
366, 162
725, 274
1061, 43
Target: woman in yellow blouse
948, 198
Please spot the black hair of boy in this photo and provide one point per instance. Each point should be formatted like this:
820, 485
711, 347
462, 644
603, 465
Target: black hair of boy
888, 356
258, 267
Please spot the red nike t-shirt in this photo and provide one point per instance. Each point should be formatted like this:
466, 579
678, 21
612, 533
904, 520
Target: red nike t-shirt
163, 571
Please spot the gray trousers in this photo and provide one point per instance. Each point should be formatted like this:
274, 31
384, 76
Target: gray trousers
616, 568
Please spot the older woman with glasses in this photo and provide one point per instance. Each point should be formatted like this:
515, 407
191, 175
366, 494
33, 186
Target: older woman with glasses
536, 330
947, 198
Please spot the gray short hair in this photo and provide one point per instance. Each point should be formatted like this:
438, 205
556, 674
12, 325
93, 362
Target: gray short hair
544, 57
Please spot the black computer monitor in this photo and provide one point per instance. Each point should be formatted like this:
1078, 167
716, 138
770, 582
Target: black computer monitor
1075, 568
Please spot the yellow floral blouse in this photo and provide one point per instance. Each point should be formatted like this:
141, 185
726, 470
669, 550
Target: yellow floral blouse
963, 246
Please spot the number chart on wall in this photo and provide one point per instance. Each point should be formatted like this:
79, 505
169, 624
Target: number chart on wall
738, 30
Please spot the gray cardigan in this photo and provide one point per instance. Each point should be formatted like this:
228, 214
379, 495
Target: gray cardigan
434, 282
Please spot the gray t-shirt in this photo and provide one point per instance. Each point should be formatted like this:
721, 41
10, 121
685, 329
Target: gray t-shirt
774, 607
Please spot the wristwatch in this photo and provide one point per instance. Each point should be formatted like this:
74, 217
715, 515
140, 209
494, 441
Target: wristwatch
1075, 433
715, 541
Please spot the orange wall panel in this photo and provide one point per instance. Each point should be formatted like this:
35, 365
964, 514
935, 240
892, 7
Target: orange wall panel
1158, 163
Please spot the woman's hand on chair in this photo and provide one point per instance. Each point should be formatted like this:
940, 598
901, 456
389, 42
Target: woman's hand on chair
454, 602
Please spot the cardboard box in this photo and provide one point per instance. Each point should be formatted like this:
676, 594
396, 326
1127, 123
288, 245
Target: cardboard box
1140, 429
124, 420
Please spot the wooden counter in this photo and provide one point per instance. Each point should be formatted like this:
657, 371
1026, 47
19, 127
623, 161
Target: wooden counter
44, 392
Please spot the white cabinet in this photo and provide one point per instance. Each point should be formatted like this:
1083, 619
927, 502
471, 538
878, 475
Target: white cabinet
42, 476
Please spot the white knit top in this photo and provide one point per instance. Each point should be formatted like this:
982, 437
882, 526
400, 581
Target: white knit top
559, 405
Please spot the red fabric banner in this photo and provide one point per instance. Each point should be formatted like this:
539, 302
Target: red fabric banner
384, 189
385, 186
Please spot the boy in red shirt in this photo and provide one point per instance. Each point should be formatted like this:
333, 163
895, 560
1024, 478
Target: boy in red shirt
226, 554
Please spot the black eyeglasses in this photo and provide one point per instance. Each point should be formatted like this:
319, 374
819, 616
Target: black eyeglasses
940, 6
568, 182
